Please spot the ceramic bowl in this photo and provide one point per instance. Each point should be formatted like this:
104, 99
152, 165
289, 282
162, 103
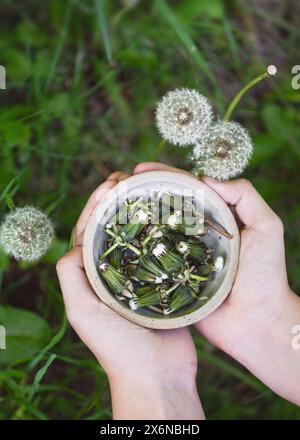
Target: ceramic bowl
208, 201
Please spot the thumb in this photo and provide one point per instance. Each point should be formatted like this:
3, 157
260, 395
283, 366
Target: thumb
250, 207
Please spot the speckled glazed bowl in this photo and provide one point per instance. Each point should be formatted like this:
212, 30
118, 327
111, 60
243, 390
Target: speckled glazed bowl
207, 201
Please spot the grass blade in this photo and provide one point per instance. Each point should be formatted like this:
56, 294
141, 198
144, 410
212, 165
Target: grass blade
54, 341
40, 375
102, 23
166, 12
59, 48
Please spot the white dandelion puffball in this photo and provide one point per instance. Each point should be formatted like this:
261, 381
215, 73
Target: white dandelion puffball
224, 152
182, 116
272, 70
26, 234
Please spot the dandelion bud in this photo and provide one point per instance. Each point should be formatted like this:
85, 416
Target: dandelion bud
214, 266
186, 224
170, 261
196, 250
135, 225
144, 275
140, 291
116, 257
114, 278
150, 298
180, 298
148, 263
26, 234
175, 237
182, 116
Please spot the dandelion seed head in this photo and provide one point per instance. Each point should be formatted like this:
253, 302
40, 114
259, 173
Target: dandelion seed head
272, 70
197, 152
26, 234
224, 151
182, 116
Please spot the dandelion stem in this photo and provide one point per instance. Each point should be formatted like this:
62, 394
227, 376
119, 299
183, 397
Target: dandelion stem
158, 150
134, 249
109, 232
241, 93
218, 228
173, 287
197, 277
9, 202
109, 250
149, 237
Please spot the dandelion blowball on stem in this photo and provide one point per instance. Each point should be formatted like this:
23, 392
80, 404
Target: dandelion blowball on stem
26, 234
224, 152
182, 116
272, 70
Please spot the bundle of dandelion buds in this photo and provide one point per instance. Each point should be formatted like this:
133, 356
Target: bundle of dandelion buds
155, 261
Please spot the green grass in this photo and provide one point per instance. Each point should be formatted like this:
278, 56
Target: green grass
83, 78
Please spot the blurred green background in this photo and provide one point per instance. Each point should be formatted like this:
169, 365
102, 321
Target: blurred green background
83, 77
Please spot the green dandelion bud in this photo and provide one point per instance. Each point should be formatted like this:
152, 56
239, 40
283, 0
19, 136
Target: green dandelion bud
124, 212
170, 261
146, 276
150, 298
135, 225
180, 298
198, 250
116, 257
148, 264
187, 225
141, 274
215, 266
176, 237
26, 234
142, 290
114, 278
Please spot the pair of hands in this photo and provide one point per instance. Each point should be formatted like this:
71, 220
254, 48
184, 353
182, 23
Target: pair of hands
155, 370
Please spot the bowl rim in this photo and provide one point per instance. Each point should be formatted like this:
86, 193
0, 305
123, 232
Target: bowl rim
102, 290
